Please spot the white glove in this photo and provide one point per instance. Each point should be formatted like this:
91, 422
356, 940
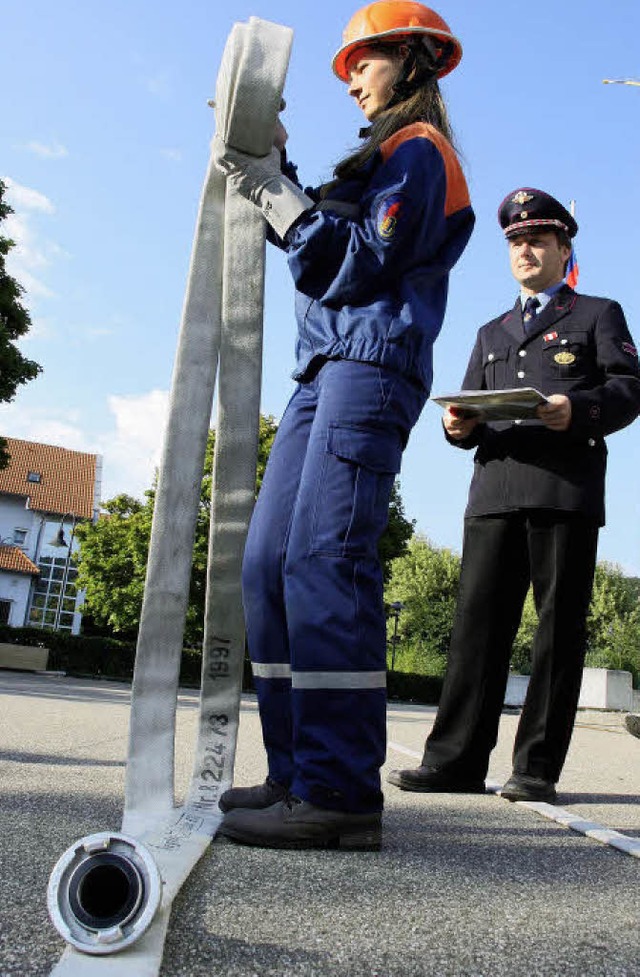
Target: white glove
260, 180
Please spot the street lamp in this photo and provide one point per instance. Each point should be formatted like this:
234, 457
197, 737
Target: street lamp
59, 541
394, 611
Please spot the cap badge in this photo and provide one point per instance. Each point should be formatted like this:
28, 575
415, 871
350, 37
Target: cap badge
564, 358
524, 214
522, 198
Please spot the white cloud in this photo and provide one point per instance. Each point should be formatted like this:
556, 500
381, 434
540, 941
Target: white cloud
158, 85
26, 198
33, 253
132, 452
131, 449
175, 155
53, 151
44, 425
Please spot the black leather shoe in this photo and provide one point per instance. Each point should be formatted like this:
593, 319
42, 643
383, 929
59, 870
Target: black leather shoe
434, 781
293, 823
264, 795
632, 722
520, 787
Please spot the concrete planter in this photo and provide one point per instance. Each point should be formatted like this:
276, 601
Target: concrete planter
602, 688
23, 657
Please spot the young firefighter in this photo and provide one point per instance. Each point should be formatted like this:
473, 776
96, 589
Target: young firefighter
370, 256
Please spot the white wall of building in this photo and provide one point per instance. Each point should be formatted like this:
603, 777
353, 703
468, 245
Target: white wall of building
15, 588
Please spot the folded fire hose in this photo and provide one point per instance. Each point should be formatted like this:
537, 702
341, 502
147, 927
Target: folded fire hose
110, 894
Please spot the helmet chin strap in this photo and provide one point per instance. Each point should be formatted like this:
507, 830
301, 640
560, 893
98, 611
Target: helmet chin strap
413, 75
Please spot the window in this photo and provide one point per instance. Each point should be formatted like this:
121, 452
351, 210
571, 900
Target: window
19, 536
34, 477
5, 608
55, 594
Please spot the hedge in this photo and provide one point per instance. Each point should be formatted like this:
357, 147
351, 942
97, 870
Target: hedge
100, 656
109, 658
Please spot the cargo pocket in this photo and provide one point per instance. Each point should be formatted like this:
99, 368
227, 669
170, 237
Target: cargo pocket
352, 501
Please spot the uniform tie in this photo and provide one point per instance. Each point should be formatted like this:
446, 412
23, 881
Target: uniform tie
530, 312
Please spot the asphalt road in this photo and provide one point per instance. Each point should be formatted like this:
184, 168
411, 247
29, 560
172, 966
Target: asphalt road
465, 886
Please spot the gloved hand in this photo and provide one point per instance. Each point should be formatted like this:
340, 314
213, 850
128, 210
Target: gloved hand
260, 180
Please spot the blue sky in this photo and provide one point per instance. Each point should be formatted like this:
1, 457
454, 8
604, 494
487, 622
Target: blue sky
104, 143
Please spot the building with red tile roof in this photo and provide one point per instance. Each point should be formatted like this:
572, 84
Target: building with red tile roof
44, 492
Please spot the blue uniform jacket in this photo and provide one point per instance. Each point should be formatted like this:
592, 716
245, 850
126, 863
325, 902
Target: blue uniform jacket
371, 265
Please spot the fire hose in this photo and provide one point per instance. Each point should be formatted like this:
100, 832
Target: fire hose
110, 893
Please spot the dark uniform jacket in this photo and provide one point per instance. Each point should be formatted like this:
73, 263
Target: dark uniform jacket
521, 465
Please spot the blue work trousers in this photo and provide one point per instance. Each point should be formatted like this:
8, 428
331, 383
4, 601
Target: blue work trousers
312, 582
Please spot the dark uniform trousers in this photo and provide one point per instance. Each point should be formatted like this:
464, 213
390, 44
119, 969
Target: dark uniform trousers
502, 554
536, 503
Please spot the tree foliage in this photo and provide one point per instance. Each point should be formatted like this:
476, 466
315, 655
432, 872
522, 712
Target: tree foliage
15, 369
394, 540
425, 580
613, 625
113, 562
113, 556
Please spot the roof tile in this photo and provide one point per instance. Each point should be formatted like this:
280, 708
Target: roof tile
67, 478
13, 559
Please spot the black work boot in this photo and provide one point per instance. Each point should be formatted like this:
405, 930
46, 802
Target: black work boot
293, 823
427, 780
263, 795
522, 787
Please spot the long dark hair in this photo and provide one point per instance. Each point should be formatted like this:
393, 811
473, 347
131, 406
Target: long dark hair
416, 98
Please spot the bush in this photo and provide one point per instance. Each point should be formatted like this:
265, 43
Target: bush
98, 657
410, 687
417, 658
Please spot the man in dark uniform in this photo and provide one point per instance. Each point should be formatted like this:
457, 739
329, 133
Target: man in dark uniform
535, 507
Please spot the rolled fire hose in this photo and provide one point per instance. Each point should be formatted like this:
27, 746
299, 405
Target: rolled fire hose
110, 893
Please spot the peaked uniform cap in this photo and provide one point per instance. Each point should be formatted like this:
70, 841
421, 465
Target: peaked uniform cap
394, 20
528, 209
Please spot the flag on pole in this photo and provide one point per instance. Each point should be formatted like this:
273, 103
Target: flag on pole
573, 270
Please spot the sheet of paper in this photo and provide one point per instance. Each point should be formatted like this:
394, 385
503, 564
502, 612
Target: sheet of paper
495, 405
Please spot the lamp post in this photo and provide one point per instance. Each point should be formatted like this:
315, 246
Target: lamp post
59, 541
394, 610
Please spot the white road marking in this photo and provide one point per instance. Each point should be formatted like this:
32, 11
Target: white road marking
623, 843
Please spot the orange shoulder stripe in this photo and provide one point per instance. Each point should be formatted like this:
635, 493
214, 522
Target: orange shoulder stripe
457, 197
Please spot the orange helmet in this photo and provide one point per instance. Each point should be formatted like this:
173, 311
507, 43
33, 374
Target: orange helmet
395, 19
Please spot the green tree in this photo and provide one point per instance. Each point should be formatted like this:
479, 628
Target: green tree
15, 369
113, 556
113, 562
425, 581
394, 540
613, 624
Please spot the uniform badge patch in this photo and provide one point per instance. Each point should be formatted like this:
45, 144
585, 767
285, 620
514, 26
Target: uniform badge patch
550, 336
564, 358
388, 216
630, 349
